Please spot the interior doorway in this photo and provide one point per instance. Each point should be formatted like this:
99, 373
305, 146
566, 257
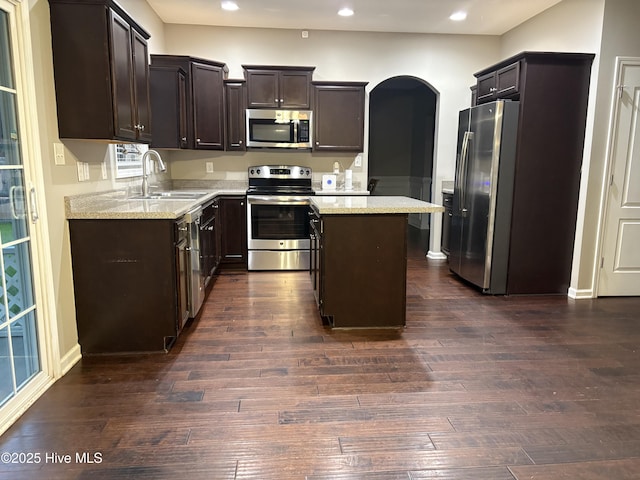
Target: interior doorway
402, 116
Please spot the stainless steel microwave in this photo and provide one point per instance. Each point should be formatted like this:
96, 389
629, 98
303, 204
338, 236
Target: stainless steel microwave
279, 128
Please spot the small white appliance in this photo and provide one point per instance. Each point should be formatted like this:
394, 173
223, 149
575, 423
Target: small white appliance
329, 181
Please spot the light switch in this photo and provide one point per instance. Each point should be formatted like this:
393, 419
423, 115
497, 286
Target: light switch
80, 168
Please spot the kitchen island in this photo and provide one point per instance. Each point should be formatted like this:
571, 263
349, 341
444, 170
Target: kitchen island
359, 258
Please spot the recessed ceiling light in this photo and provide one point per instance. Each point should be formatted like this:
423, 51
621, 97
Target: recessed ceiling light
345, 12
458, 16
229, 6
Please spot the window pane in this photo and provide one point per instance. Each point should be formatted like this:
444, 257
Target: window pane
9, 146
13, 208
6, 73
25, 348
17, 275
6, 379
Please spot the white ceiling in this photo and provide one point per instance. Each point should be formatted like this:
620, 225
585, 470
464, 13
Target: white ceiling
485, 17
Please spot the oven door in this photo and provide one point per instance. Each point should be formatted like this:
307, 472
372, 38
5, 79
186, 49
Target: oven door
277, 222
278, 232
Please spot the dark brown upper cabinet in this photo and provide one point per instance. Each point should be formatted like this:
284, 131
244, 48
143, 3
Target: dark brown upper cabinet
278, 87
101, 72
502, 83
169, 106
338, 116
204, 111
235, 105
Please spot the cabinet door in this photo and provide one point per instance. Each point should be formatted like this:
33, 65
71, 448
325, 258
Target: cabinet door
208, 106
508, 81
182, 110
141, 100
262, 89
295, 90
447, 200
233, 230
122, 79
235, 97
502, 83
210, 257
169, 106
338, 117
486, 87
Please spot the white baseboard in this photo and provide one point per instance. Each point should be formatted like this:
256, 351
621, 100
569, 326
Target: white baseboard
436, 255
580, 294
72, 357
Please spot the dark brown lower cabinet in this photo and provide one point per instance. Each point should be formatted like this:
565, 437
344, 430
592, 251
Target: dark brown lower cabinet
126, 285
358, 269
232, 231
447, 200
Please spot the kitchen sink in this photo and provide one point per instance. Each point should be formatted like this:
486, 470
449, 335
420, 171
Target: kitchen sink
171, 195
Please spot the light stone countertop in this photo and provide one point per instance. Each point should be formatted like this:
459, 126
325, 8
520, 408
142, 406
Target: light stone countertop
119, 204
340, 191
332, 205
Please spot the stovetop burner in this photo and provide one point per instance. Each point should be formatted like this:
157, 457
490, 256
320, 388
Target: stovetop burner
280, 180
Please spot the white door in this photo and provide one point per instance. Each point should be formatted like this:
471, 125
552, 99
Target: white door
620, 263
29, 357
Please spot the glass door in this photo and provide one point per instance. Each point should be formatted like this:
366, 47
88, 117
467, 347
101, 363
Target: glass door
19, 354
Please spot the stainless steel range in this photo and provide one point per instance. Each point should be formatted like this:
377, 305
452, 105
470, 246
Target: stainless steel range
278, 217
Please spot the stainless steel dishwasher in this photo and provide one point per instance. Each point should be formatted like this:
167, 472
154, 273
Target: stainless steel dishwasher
193, 219
182, 255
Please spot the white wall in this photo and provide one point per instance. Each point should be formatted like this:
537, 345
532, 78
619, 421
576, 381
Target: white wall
620, 37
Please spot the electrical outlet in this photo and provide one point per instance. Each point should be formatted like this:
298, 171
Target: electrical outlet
58, 153
104, 171
209, 166
358, 160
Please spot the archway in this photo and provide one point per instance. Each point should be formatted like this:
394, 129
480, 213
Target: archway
402, 116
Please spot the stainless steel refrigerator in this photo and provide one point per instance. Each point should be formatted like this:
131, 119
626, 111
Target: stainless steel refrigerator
483, 195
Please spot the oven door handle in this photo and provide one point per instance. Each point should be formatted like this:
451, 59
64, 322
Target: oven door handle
275, 200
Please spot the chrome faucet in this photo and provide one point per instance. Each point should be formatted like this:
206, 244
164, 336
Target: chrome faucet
145, 173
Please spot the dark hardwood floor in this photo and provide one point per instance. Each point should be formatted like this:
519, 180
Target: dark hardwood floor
475, 388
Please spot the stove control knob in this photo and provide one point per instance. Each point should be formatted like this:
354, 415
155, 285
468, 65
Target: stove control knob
308, 172
251, 171
258, 171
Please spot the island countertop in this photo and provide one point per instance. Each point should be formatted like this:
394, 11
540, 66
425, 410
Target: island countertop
340, 205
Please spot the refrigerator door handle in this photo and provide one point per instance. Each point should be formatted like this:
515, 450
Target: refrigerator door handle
468, 136
459, 172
